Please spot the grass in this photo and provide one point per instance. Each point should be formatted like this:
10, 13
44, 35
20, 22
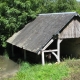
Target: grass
39, 72
74, 66
67, 70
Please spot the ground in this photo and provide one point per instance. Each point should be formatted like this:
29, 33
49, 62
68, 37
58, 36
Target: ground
74, 65
8, 68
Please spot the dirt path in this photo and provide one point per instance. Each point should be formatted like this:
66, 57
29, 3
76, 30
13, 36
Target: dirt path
8, 68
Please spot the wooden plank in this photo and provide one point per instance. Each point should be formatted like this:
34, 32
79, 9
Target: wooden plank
77, 28
48, 44
71, 31
50, 50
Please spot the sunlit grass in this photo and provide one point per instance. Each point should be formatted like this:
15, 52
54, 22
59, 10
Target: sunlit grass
39, 72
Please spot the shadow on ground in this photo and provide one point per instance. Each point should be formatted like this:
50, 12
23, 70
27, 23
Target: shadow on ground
8, 68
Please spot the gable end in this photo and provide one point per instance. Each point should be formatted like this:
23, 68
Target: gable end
72, 30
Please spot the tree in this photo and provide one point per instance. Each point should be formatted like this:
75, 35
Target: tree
65, 5
78, 7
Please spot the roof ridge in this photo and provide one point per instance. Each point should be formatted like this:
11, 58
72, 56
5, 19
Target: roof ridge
58, 13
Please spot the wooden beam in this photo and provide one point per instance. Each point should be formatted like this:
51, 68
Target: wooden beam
55, 50
58, 47
39, 52
12, 51
43, 60
24, 54
55, 55
48, 44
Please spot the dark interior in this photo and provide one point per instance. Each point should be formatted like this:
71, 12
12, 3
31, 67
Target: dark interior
69, 48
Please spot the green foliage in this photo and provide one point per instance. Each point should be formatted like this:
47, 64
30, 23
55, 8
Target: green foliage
65, 5
78, 7
39, 72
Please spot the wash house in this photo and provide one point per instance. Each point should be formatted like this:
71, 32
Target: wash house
45, 30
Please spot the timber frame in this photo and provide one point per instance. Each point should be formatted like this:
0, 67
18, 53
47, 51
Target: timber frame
44, 51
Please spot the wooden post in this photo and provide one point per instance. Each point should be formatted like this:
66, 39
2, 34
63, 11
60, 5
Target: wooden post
43, 60
58, 47
12, 51
24, 54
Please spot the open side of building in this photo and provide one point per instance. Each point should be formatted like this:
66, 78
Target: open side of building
39, 34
